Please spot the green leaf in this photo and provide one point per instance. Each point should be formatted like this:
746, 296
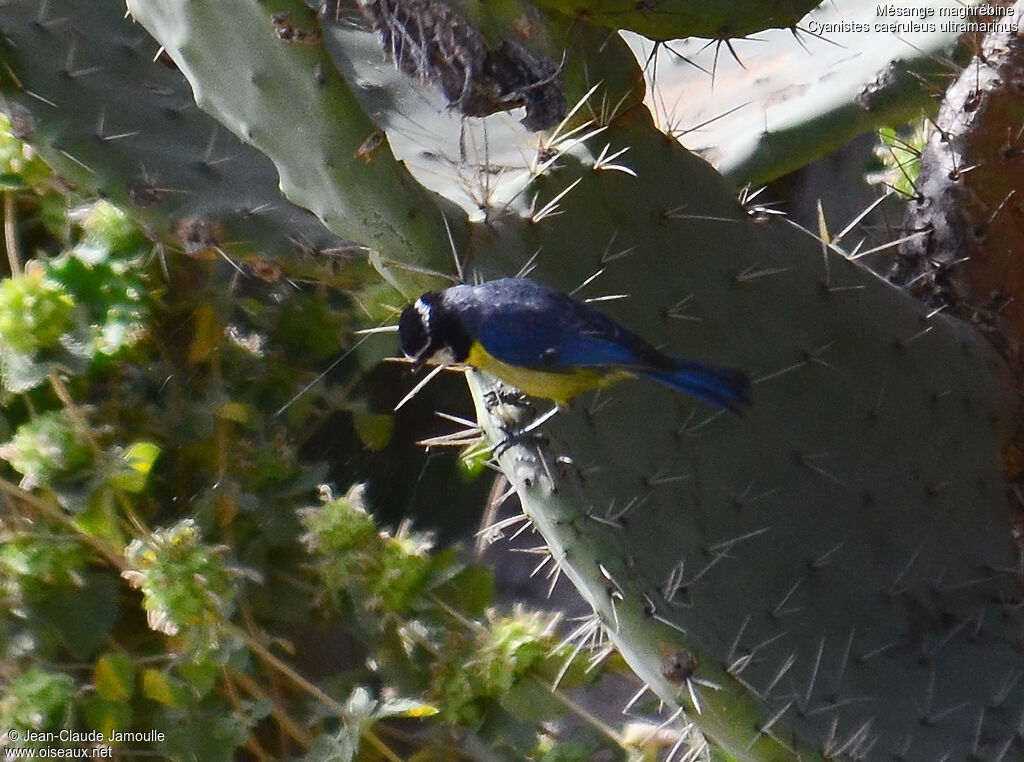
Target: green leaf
107, 716
473, 461
374, 429
141, 455
202, 675
234, 411
38, 699
404, 707
80, 616
19, 372
139, 459
164, 689
471, 590
340, 747
114, 676
210, 736
529, 701
101, 519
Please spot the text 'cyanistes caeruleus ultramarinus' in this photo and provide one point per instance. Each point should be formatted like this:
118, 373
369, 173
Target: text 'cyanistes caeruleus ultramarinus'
548, 344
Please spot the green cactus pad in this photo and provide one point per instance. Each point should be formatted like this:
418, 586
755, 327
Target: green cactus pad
836, 562
671, 19
82, 85
359, 192
790, 98
337, 163
830, 575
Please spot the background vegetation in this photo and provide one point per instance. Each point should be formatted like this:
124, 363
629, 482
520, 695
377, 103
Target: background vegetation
215, 529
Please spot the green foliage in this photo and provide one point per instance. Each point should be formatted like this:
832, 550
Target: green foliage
671, 19
46, 447
38, 700
34, 313
184, 583
161, 529
129, 132
31, 565
386, 573
20, 166
494, 665
83, 306
822, 578
899, 152
113, 677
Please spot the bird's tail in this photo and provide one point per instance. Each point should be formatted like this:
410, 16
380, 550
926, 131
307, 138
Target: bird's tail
724, 387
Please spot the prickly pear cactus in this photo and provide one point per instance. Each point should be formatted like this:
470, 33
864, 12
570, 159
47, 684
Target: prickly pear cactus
669, 19
81, 84
830, 575
809, 560
967, 214
775, 106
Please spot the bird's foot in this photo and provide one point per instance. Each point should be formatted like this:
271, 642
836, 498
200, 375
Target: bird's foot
520, 435
506, 396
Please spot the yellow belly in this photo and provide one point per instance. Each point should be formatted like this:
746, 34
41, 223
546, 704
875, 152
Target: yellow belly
556, 386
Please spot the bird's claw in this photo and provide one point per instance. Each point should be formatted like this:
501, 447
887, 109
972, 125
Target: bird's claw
518, 436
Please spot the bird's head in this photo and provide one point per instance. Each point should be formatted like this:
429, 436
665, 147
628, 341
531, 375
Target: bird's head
429, 333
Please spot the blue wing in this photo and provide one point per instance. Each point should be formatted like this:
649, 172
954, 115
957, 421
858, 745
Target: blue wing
527, 325
559, 350
558, 339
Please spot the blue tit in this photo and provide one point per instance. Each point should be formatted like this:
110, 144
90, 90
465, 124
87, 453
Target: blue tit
548, 344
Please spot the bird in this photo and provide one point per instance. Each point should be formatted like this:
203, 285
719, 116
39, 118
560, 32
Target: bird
549, 345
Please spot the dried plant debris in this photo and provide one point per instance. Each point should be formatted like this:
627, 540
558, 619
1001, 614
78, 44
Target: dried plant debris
197, 235
427, 40
289, 32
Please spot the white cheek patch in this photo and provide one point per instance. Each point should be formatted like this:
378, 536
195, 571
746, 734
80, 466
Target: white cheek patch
443, 356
